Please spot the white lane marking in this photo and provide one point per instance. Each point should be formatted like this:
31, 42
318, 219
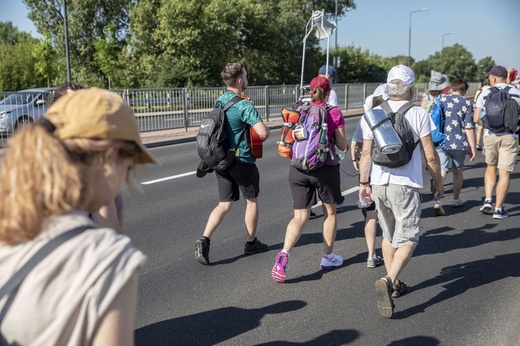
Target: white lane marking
168, 178
344, 193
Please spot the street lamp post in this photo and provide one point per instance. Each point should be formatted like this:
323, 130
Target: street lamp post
336, 62
410, 34
442, 51
66, 39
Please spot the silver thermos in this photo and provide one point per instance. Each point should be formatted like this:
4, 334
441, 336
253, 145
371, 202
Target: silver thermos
385, 136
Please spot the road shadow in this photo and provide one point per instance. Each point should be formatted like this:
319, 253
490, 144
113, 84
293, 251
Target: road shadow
459, 278
332, 338
435, 242
416, 340
209, 327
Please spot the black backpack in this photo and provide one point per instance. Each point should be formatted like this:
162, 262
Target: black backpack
501, 111
402, 127
213, 144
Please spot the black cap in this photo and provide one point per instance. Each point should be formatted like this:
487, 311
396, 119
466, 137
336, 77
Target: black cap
203, 169
498, 71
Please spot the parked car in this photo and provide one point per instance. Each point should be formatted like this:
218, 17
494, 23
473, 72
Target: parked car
23, 107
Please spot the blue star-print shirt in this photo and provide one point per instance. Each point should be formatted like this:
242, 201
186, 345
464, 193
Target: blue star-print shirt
459, 117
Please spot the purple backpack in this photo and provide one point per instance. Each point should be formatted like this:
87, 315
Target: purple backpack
311, 147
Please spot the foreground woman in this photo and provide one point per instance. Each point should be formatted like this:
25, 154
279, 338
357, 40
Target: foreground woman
81, 290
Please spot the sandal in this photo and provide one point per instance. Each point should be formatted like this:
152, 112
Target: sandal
399, 289
385, 304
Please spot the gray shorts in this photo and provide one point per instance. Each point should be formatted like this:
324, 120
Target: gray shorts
399, 213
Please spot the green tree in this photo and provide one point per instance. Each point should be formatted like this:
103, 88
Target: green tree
87, 22
179, 43
17, 70
45, 60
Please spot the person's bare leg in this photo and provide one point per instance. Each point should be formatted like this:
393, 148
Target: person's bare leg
490, 179
399, 261
370, 232
216, 217
329, 227
251, 218
295, 228
388, 253
458, 179
502, 187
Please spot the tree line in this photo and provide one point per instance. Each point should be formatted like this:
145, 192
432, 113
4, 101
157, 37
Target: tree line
180, 43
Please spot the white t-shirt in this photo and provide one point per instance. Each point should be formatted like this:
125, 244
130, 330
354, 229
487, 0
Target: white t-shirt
485, 92
63, 298
410, 174
333, 98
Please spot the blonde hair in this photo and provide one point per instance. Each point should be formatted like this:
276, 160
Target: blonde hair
318, 95
43, 176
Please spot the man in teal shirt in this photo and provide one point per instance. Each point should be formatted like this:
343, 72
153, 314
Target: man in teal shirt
242, 175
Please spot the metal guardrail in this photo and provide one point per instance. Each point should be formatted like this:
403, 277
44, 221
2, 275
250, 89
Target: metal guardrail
171, 108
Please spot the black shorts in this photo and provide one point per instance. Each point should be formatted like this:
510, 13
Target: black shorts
325, 181
240, 176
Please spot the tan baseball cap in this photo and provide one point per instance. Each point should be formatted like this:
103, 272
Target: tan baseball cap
97, 114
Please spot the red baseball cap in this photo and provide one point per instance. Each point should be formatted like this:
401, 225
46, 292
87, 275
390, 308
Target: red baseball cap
320, 82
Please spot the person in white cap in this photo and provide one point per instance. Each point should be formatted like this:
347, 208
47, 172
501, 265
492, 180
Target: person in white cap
396, 190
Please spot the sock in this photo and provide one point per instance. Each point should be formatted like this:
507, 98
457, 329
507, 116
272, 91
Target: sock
329, 257
206, 239
488, 200
286, 252
251, 242
497, 210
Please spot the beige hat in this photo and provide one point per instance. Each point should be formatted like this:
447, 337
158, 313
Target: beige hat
97, 114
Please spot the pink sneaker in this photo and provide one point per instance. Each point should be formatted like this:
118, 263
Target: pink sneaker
278, 272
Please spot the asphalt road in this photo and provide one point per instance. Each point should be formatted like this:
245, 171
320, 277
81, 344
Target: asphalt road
463, 275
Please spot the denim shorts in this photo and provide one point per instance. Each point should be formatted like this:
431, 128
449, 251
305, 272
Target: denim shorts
399, 213
455, 156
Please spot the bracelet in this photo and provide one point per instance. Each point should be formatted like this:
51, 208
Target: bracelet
364, 183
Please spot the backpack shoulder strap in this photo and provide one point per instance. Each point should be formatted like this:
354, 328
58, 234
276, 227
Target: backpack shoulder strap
386, 108
232, 102
404, 108
20, 275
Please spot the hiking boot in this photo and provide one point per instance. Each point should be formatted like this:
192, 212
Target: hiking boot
335, 261
500, 214
486, 207
385, 303
399, 289
312, 215
202, 250
373, 262
280, 267
256, 247
457, 202
438, 209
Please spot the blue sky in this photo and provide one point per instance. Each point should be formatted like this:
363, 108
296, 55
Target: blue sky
484, 27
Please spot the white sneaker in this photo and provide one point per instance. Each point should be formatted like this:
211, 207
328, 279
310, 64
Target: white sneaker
326, 263
455, 203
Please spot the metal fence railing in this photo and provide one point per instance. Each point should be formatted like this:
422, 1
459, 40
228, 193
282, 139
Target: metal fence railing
170, 108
